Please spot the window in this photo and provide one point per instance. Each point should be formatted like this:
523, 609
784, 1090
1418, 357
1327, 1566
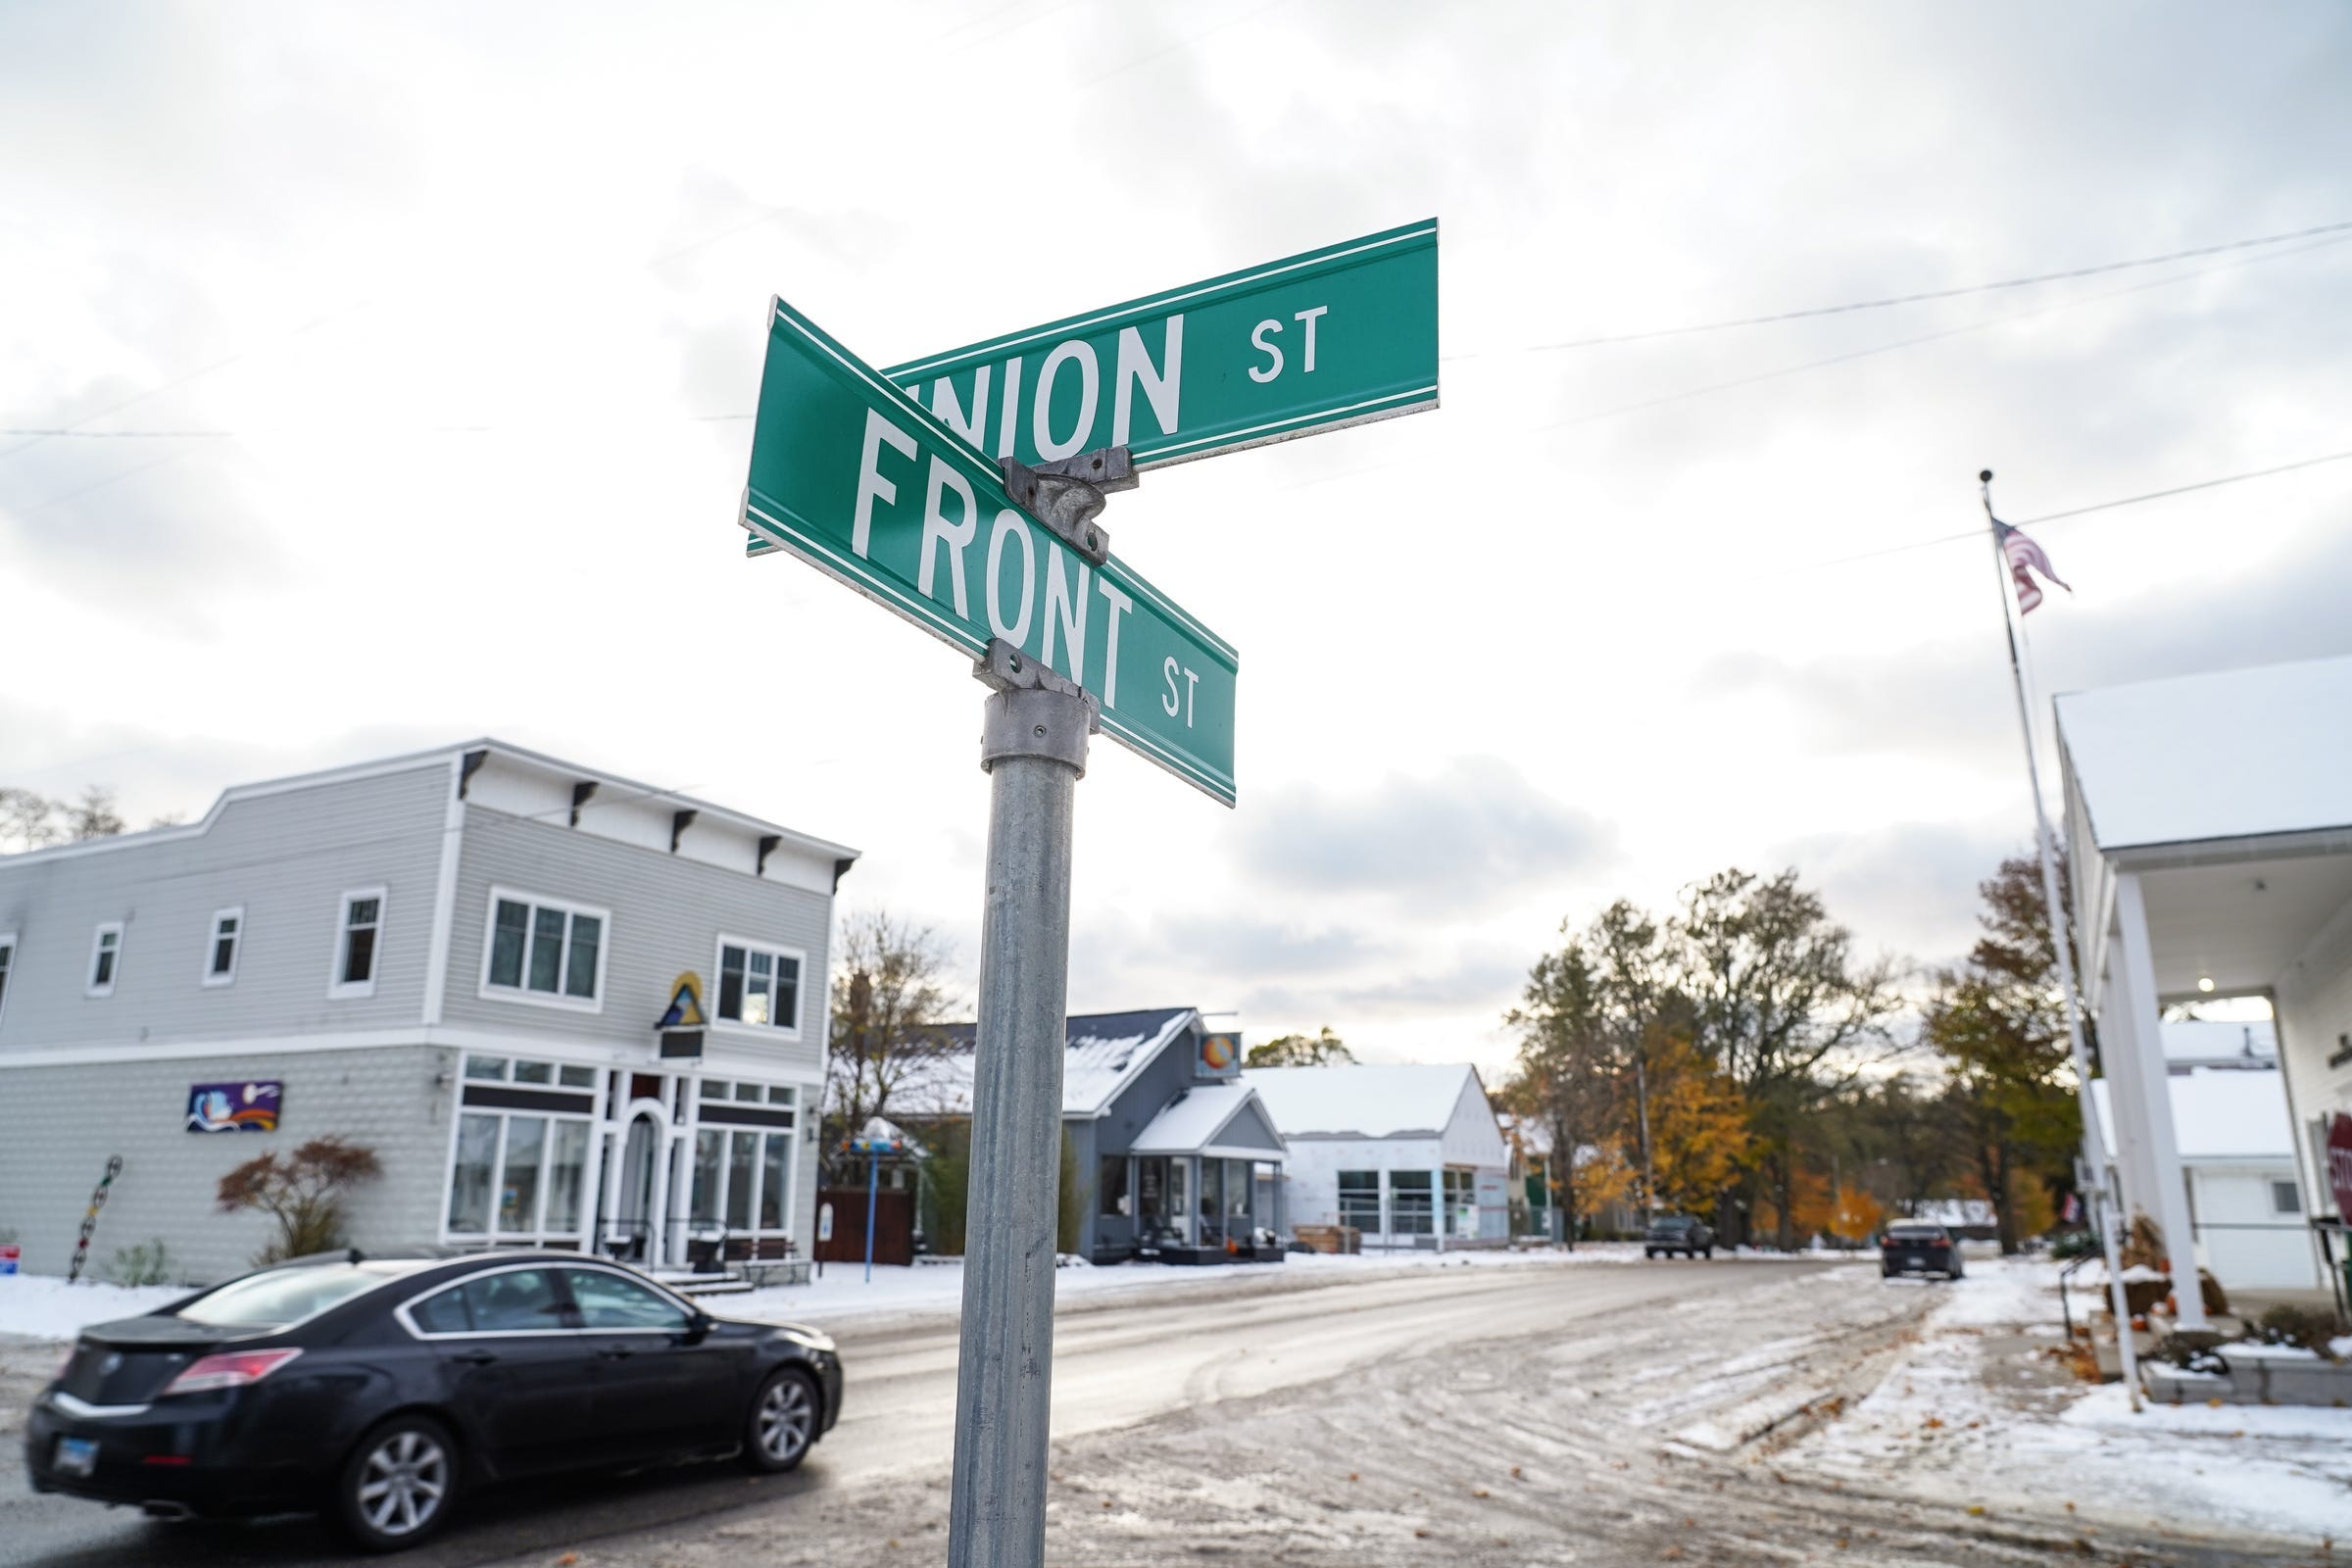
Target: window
7, 957
492, 1069
1359, 1200
1110, 1187
1409, 1209
772, 1183
516, 1300
710, 1147
106, 957
612, 1302
534, 1072
758, 986
355, 937
539, 949
2286, 1198
535, 1167
1461, 1203
444, 1313
743, 1179
743, 1158
220, 953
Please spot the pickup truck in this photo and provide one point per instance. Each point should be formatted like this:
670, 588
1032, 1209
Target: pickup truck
1670, 1234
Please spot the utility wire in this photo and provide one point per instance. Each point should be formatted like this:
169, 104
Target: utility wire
1917, 299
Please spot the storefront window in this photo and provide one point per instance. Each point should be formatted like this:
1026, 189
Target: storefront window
566, 1167
1237, 1200
1212, 1202
1461, 1203
469, 1183
1359, 1200
518, 1185
1152, 1194
771, 1183
743, 1164
492, 1067
1410, 1208
1110, 1187
1180, 1199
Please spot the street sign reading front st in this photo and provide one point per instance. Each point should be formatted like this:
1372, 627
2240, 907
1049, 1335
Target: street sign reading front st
1334, 337
857, 478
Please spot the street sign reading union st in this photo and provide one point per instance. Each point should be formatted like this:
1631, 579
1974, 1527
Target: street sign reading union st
1335, 337
857, 478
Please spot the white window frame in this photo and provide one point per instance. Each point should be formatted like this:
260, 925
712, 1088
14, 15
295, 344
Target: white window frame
237, 950
524, 994
337, 989
800, 988
90, 974
8, 970
537, 1235
791, 1135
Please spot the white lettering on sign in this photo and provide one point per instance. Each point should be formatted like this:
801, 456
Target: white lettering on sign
1010, 525
1068, 612
938, 530
871, 486
1080, 352
1013, 407
1162, 386
1270, 327
1119, 604
1273, 354
1176, 703
946, 409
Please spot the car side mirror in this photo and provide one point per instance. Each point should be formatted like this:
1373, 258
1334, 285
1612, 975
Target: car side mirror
699, 1323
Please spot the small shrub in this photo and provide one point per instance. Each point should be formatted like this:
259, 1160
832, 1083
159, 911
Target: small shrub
303, 1192
2067, 1245
2307, 1328
146, 1262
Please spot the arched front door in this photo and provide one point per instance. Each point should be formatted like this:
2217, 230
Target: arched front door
635, 1217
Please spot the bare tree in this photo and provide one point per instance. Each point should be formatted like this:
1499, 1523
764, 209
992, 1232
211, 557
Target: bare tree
31, 820
890, 1003
94, 815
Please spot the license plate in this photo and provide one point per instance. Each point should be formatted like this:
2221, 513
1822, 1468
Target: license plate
1913, 1262
77, 1457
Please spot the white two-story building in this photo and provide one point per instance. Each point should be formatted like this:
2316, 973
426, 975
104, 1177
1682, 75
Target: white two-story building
464, 960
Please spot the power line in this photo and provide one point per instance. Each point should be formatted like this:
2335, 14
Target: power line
2071, 512
1920, 298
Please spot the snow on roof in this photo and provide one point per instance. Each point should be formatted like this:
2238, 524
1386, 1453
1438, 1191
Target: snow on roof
1105, 1050
2218, 1114
1209, 1119
2211, 1043
2150, 772
1365, 1100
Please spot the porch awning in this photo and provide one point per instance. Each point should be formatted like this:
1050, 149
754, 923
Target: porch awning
1224, 1121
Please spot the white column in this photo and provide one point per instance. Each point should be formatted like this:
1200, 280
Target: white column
1439, 1214
2171, 1193
2127, 1103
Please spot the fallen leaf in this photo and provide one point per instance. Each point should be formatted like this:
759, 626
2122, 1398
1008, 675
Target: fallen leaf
1932, 1422
1420, 1534
1480, 1492
1352, 1475
1106, 1502
2215, 1404
1977, 1510
1514, 1472
567, 1559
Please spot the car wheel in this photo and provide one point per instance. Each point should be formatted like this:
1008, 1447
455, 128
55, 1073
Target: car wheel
399, 1484
1651, 1252
782, 1424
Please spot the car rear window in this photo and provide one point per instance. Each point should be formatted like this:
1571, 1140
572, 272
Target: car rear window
281, 1297
1917, 1233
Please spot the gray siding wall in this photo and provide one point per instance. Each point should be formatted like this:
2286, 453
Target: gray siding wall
287, 859
666, 915
1114, 1132
65, 1121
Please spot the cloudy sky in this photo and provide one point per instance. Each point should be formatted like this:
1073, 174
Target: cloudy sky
407, 354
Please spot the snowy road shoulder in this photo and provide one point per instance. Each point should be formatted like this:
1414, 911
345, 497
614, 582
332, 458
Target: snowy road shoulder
1980, 1414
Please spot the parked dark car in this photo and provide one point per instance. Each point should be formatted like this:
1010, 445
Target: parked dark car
1670, 1234
381, 1390
1919, 1249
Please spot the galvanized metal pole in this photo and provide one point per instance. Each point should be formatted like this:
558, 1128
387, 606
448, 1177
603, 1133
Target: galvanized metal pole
1033, 744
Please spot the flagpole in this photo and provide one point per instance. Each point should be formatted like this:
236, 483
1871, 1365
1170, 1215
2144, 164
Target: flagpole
2094, 1147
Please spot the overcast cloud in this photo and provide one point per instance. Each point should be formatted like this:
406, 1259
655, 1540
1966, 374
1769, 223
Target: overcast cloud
455, 312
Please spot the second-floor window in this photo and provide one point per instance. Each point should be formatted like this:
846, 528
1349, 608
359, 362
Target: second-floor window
758, 985
356, 935
106, 957
220, 953
551, 950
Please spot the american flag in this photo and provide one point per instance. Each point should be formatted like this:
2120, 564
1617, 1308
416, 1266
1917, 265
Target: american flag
2023, 554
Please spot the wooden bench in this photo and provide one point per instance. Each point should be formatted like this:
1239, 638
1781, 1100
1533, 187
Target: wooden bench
1330, 1238
765, 1259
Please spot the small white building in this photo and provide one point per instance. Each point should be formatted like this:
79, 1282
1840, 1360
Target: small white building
2237, 1152
1410, 1155
2204, 870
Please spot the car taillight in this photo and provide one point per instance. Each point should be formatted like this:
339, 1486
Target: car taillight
65, 1364
231, 1370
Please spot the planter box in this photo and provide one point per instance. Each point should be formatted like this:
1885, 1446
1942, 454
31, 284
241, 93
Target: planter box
2254, 1380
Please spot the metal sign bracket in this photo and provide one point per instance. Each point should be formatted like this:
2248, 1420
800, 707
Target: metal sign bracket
1069, 494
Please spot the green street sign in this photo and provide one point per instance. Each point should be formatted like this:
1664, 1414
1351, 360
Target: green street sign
1337, 336
865, 484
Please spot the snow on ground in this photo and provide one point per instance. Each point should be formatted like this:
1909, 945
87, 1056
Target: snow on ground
938, 1288
1974, 1413
42, 1306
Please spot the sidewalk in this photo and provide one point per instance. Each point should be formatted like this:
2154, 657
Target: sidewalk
1980, 1413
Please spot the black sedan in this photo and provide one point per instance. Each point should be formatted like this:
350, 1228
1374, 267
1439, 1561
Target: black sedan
1916, 1248
378, 1390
